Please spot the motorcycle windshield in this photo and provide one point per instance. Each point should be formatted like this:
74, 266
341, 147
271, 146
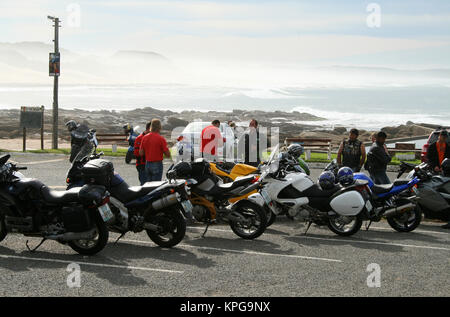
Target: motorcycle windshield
86, 150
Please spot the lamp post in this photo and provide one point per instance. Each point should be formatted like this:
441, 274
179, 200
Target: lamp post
55, 85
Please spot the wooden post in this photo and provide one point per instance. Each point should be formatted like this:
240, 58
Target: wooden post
24, 147
42, 129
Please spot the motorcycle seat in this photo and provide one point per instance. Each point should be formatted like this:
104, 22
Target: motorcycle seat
399, 182
316, 192
125, 193
60, 197
381, 189
241, 180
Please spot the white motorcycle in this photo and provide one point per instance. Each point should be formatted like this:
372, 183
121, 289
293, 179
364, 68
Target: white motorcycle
297, 195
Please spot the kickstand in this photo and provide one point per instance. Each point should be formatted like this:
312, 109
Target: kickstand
206, 230
33, 250
307, 228
120, 237
368, 226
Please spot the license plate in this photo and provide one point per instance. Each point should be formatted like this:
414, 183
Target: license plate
105, 212
187, 206
265, 196
368, 205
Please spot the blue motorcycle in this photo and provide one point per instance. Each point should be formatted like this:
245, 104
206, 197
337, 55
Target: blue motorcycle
131, 138
397, 202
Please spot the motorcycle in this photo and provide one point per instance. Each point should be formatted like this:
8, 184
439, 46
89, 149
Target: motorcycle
211, 199
433, 190
397, 202
131, 138
297, 195
76, 217
159, 208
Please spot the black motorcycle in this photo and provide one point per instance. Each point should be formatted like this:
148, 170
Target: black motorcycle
159, 208
75, 217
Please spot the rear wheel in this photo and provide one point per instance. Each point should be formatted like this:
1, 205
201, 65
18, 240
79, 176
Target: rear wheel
254, 220
172, 228
129, 156
407, 221
345, 225
3, 231
95, 245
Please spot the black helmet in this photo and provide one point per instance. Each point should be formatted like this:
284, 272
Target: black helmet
71, 125
446, 167
182, 169
295, 150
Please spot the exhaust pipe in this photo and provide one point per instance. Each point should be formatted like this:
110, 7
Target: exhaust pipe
69, 236
164, 202
399, 210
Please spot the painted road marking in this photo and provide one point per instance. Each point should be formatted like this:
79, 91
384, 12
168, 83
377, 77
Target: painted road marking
340, 240
243, 252
90, 264
40, 162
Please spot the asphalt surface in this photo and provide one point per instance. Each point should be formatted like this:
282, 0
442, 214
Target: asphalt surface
282, 262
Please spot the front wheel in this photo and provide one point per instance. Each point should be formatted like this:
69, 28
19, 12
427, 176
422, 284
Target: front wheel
407, 221
3, 231
271, 217
172, 228
254, 220
345, 225
95, 245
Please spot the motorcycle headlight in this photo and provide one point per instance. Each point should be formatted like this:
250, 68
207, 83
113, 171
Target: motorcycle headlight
274, 167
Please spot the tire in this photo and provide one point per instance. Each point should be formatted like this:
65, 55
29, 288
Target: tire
406, 222
257, 217
128, 157
81, 246
271, 217
173, 226
333, 226
3, 231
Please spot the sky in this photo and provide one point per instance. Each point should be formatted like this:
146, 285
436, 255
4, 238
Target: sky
411, 34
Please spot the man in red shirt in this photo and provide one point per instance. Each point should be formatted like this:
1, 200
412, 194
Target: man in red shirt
154, 147
140, 160
211, 139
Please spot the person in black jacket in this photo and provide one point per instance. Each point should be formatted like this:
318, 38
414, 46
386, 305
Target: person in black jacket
377, 160
439, 151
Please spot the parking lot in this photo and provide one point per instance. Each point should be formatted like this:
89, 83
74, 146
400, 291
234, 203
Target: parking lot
282, 262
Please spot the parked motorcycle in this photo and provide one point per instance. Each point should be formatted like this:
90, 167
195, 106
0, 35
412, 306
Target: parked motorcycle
397, 202
297, 195
211, 199
156, 207
75, 217
131, 138
433, 190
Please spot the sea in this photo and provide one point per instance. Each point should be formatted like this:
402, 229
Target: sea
367, 108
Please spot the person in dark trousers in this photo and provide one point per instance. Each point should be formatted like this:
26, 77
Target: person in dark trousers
154, 147
352, 152
438, 151
140, 160
377, 160
250, 144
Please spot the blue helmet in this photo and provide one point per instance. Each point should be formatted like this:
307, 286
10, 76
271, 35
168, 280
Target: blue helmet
345, 176
327, 180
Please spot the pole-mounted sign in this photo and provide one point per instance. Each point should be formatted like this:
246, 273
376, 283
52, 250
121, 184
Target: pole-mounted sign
32, 118
54, 64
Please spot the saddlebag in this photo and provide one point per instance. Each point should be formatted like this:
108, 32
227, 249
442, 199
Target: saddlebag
99, 172
76, 218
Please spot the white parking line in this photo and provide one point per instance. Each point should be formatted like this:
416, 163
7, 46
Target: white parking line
338, 239
418, 231
243, 252
39, 162
90, 264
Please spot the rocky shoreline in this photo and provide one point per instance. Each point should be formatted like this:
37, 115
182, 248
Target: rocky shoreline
112, 121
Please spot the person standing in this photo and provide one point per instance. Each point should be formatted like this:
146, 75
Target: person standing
250, 144
211, 139
439, 151
377, 160
352, 152
140, 160
154, 148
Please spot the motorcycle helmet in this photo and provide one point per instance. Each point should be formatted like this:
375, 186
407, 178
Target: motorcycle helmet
182, 169
446, 167
345, 176
127, 128
295, 150
327, 180
71, 125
